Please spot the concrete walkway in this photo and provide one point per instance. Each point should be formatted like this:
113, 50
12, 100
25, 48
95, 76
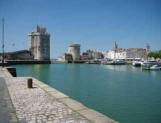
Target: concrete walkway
7, 112
43, 104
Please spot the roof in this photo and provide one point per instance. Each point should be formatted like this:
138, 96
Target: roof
15, 52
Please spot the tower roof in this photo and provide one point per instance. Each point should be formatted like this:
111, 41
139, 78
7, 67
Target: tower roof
115, 46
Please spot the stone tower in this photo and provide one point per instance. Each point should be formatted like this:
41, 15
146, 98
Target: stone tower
115, 46
39, 44
147, 48
74, 50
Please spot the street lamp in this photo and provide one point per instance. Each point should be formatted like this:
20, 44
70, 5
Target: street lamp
3, 42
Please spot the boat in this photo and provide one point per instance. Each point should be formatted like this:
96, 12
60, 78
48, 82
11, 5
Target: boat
146, 66
118, 62
150, 65
113, 62
106, 62
155, 67
137, 63
103, 61
93, 62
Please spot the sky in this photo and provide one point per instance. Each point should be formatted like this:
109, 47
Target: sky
95, 24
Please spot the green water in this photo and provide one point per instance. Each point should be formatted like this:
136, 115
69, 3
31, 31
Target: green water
124, 93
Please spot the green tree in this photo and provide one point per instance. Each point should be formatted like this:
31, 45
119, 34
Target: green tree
156, 54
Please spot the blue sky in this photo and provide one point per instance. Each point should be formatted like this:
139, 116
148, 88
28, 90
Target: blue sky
94, 24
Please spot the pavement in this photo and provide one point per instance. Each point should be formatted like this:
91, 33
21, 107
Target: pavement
7, 111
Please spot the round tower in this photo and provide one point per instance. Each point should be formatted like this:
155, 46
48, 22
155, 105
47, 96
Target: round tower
74, 50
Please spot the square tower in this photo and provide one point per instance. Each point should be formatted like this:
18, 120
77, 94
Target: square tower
39, 44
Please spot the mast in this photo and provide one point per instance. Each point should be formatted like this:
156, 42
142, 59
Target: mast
3, 42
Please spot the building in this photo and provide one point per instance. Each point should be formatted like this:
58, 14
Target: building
147, 48
96, 54
39, 47
74, 50
18, 55
72, 55
39, 44
84, 56
116, 54
136, 53
127, 54
92, 54
65, 58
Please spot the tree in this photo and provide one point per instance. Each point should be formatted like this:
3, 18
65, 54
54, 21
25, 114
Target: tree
156, 54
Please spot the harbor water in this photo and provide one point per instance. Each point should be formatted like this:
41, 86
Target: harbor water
123, 92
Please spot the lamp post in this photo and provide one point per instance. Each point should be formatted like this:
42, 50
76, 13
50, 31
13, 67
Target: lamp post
3, 42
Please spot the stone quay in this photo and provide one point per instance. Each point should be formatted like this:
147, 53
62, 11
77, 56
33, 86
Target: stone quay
44, 104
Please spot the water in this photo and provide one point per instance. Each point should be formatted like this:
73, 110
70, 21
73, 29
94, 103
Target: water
124, 93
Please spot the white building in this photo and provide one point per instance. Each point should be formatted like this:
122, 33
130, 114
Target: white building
127, 54
111, 54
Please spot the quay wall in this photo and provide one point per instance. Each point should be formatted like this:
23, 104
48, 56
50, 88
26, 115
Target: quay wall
90, 114
15, 62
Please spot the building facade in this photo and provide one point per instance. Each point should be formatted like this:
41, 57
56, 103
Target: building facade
39, 44
127, 54
17, 55
92, 54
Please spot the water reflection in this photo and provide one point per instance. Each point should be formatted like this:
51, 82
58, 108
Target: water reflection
41, 72
152, 72
116, 67
131, 68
